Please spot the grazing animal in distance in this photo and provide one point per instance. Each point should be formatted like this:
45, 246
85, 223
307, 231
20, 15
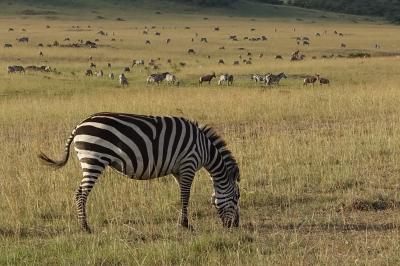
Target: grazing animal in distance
23, 40
221, 61
236, 62
157, 78
306, 43
168, 40
7, 45
204, 40
137, 62
109, 65
14, 69
171, 79
343, 45
225, 78
278, 57
111, 75
127, 69
191, 51
258, 77
274, 79
147, 147
123, 81
309, 80
100, 73
92, 65
323, 81
206, 78
88, 72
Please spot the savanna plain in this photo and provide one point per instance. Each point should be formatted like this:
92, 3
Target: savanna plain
319, 165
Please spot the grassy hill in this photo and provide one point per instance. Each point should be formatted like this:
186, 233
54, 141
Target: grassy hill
96, 9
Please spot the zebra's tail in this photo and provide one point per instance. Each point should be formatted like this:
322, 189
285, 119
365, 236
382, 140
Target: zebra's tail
55, 163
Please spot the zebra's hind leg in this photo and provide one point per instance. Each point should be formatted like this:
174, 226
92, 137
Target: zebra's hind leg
90, 174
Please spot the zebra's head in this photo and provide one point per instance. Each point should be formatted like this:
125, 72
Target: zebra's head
227, 204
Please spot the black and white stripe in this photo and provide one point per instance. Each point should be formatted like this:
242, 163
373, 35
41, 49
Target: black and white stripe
145, 147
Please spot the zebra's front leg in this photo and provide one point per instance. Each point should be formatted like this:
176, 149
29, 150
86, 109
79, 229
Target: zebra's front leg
185, 184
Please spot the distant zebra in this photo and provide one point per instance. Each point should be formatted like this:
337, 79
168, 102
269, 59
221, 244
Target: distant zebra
225, 78
147, 147
258, 77
157, 78
137, 62
171, 79
123, 80
14, 69
274, 79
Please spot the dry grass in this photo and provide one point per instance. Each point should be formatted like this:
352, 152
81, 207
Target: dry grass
319, 165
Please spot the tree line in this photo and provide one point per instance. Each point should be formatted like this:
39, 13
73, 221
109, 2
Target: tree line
390, 9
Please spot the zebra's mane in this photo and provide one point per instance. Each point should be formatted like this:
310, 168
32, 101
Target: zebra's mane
218, 142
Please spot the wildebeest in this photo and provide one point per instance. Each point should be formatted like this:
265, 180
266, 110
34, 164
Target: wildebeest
274, 79
236, 62
225, 78
206, 78
309, 80
111, 75
203, 40
323, 81
278, 57
127, 69
23, 39
148, 42
88, 72
221, 61
306, 43
317, 34
191, 51
14, 69
343, 45
7, 45
123, 80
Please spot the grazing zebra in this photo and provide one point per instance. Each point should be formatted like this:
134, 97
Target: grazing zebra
146, 147
123, 80
271, 78
157, 78
14, 69
171, 79
258, 78
225, 78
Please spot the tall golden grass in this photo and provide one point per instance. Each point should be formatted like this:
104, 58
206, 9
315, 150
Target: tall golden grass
319, 165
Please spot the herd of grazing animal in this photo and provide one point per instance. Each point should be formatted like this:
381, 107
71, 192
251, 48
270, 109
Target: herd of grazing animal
169, 78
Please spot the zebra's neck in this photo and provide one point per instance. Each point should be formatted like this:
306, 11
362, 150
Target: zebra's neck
218, 167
